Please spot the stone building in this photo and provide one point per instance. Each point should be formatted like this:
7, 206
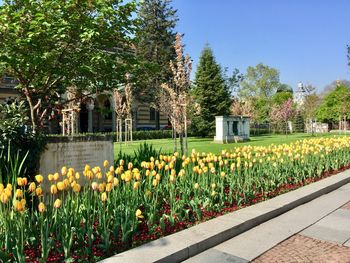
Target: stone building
231, 129
300, 94
7, 89
95, 114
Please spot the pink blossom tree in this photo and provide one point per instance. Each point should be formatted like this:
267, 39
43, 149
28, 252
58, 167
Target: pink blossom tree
282, 114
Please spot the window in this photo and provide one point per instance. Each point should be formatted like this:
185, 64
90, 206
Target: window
152, 114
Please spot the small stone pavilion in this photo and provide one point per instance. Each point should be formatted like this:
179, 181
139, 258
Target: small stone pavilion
231, 129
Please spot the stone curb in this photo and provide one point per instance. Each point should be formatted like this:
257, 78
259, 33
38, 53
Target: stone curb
194, 240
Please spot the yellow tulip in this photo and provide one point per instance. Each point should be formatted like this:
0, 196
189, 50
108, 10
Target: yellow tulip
137, 176
20, 181
109, 187
64, 171
18, 205
57, 203
32, 187
66, 183
94, 186
50, 177
39, 191
39, 178
53, 189
25, 181
117, 171
104, 197
76, 188
60, 186
56, 176
89, 174
4, 198
41, 207
136, 185
115, 181
138, 214
71, 179
102, 187
196, 186
110, 179
128, 176
105, 164
99, 175
19, 193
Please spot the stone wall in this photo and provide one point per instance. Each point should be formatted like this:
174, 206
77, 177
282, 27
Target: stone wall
76, 152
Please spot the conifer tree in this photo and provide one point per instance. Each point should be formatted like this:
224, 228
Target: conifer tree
155, 48
210, 93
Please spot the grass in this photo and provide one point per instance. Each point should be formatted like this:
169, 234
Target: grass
207, 144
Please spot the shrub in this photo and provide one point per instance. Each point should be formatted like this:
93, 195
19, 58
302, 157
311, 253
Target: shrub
17, 141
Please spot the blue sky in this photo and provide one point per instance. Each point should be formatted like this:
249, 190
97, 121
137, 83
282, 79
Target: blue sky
304, 39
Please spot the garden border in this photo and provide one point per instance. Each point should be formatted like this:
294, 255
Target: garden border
194, 240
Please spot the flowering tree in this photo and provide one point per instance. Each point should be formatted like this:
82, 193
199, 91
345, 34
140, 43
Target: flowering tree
174, 98
282, 114
244, 108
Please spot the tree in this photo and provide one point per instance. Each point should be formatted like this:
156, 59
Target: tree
330, 87
262, 107
259, 81
281, 97
309, 109
284, 88
282, 114
155, 48
210, 92
50, 45
175, 95
311, 103
240, 108
335, 105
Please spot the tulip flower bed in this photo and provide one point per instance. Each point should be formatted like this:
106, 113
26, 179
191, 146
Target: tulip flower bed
124, 206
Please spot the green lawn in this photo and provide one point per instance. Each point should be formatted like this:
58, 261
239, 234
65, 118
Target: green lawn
207, 144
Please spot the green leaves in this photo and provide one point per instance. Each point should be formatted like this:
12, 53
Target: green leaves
50, 44
210, 92
335, 105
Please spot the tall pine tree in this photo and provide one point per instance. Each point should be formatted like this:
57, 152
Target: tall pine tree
210, 92
155, 48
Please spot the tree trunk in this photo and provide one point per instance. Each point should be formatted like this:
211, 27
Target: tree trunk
174, 137
31, 109
157, 120
182, 143
186, 139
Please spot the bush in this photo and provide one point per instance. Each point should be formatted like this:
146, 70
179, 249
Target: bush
143, 153
17, 141
136, 135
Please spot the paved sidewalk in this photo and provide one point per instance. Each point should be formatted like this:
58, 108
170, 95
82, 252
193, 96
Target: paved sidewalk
318, 231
